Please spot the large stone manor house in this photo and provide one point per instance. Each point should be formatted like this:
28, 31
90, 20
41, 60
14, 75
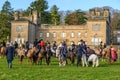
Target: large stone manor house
96, 29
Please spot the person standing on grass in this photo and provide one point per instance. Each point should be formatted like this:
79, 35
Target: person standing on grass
79, 52
113, 55
10, 54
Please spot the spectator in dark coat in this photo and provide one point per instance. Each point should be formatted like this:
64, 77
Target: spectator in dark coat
10, 54
79, 52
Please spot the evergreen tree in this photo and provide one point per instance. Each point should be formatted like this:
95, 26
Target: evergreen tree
76, 18
55, 17
6, 15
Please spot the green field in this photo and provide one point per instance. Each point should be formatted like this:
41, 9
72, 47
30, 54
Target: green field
54, 72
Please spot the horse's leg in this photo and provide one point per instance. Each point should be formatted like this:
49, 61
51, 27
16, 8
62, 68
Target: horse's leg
72, 59
47, 59
78, 60
64, 62
83, 64
60, 61
94, 63
85, 61
97, 62
103, 57
20, 59
41, 61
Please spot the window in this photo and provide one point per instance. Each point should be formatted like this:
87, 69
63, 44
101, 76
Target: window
118, 39
72, 34
63, 34
79, 34
41, 35
19, 28
96, 40
54, 34
47, 35
98, 13
96, 27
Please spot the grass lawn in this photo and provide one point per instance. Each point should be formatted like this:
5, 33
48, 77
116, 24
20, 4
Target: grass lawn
26, 71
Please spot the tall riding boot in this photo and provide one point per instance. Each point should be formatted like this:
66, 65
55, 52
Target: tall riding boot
10, 65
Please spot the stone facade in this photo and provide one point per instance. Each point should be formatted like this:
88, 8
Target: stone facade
93, 32
96, 29
116, 37
22, 31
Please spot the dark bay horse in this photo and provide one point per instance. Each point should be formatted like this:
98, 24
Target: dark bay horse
44, 53
71, 54
48, 56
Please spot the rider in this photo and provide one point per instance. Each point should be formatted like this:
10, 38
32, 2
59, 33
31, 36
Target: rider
72, 45
3, 44
42, 43
63, 50
54, 46
101, 47
48, 47
16, 44
35, 42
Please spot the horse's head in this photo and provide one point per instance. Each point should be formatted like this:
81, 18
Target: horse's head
42, 51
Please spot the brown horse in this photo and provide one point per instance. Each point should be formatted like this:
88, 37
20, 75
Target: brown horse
21, 54
106, 54
41, 55
92, 51
2, 51
30, 55
71, 54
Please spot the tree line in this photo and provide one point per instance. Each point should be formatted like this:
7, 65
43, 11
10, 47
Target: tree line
52, 16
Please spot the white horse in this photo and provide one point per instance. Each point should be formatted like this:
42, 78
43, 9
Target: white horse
62, 60
94, 59
58, 51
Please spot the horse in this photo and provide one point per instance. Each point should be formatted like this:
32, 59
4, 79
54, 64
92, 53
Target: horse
48, 54
2, 51
21, 53
62, 58
94, 59
106, 53
97, 51
57, 51
32, 58
41, 55
71, 54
